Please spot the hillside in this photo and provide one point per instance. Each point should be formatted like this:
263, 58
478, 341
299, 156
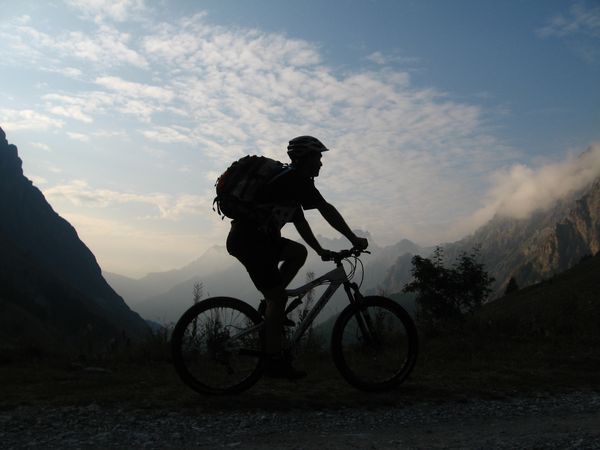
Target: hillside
530, 249
565, 306
49, 279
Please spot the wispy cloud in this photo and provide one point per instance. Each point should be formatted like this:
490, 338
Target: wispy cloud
521, 190
41, 146
382, 59
580, 20
580, 26
168, 135
405, 160
27, 119
166, 206
118, 10
106, 47
135, 90
78, 137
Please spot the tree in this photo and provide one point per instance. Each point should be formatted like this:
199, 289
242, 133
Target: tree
512, 286
198, 294
446, 295
198, 291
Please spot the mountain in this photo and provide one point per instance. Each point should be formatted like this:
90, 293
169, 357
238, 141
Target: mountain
51, 287
221, 274
530, 249
537, 247
134, 291
565, 306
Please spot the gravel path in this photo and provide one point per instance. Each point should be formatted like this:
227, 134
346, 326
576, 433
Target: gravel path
570, 420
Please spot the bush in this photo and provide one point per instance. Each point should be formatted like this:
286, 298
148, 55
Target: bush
446, 295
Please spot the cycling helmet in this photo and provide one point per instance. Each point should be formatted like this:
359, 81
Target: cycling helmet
304, 145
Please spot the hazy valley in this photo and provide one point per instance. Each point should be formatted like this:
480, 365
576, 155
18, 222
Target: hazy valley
53, 292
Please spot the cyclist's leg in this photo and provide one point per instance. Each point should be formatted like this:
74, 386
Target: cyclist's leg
276, 299
293, 255
277, 364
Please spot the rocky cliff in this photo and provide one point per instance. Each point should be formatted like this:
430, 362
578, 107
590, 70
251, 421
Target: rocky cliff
51, 287
535, 248
530, 249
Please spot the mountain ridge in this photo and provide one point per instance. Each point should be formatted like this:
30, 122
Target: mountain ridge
546, 243
43, 256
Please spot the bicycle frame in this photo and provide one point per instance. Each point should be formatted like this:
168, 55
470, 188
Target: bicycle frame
335, 278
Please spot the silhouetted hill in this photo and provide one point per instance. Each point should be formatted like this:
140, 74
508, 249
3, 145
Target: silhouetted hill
49, 280
566, 306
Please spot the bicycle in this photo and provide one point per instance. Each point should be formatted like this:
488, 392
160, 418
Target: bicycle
217, 344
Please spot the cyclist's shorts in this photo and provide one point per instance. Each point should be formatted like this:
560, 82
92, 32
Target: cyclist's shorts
259, 253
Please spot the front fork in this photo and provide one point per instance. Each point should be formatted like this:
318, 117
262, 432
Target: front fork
362, 314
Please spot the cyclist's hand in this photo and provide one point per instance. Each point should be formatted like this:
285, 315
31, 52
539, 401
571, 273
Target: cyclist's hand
326, 255
360, 243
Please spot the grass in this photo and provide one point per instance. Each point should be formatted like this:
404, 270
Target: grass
458, 367
540, 340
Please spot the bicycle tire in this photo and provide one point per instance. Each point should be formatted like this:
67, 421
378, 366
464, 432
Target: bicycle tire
204, 355
382, 361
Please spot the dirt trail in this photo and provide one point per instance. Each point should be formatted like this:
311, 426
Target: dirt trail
570, 420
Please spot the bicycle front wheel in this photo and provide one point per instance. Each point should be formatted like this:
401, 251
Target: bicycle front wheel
374, 344
217, 346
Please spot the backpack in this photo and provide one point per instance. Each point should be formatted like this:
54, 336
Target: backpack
237, 188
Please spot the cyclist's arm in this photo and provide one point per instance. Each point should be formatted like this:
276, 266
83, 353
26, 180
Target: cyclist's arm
335, 219
307, 234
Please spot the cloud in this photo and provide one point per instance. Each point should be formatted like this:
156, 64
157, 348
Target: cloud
41, 146
118, 10
168, 135
405, 160
105, 47
79, 193
87, 106
81, 107
27, 119
520, 191
78, 137
73, 112
38, 181
580, 27
382, 59
581, 20
135, 90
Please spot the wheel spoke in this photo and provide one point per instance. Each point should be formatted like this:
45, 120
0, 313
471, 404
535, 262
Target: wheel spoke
374, 346
207, 342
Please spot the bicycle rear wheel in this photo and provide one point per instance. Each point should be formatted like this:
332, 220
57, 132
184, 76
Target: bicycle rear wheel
374, 344
217, 347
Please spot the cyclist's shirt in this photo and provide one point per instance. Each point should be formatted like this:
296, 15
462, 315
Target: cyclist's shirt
259, 246
290, 194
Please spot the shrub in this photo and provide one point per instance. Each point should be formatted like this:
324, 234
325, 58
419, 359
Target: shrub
445, 295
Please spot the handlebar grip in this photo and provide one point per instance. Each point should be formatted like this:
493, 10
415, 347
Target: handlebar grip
334, 256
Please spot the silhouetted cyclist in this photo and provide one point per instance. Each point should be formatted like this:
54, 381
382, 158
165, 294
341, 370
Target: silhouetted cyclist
261, 248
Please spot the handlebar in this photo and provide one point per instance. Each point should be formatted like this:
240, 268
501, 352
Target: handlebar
338, 257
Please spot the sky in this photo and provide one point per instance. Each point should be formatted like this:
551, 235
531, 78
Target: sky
438, 114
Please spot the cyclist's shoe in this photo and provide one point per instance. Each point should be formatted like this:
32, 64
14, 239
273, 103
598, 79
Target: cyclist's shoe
280, 366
